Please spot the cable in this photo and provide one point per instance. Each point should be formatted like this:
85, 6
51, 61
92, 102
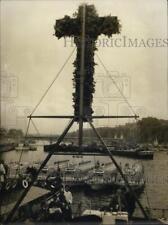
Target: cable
167, 57
20, 158
37, 130
59, 72
35, 127
119, 169
24, 193
53, 81
28, 126
114, 82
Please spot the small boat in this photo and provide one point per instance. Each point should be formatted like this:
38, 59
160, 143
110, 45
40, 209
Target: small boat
71, 168
36, 165
98, 172
21, 147
96, 178
134, 175
32, 148
106, 217
45, 169
145, 154
6, 147
25, 147
138, 153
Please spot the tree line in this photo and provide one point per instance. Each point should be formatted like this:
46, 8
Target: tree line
11, 133
146, 130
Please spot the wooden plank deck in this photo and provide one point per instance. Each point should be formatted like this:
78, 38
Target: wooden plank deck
35, 193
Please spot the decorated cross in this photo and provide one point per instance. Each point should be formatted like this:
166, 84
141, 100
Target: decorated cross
94, 26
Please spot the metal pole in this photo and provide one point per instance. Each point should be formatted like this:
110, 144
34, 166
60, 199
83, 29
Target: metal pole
119, 169
71, 117
82, 72
23, 195
167, 58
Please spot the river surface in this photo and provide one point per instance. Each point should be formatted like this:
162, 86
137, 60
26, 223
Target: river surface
155, 195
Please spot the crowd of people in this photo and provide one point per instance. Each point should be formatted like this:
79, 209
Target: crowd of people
58, 207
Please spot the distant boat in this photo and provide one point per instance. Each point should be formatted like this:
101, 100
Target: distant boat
121, 137
96, 182
134, 174
25, 147
100, 180
145, 154
96, 178
45, 169
7, 147
70, 170
98, 172
138, 153
115, 136
155, 143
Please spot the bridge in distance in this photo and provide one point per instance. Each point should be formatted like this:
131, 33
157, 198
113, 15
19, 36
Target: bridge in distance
53, 138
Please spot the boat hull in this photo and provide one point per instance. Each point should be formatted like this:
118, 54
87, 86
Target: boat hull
133, 154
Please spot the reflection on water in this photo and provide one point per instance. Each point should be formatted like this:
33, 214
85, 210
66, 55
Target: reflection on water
156, 173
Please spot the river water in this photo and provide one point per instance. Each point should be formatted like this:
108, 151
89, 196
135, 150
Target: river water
155, 195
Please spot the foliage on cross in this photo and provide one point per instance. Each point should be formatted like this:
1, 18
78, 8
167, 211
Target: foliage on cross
94, 26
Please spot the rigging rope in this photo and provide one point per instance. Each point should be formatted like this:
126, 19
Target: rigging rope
131, 108
24, 193
26, 134
57, 75
118, 88
35, 127
20, 157
37, 130
119, 169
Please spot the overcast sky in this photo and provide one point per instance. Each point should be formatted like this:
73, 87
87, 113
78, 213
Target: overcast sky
31, 57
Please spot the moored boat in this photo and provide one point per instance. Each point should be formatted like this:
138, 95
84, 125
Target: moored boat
25, 147
7, 147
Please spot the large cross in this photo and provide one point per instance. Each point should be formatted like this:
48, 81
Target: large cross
94, 26
91, 28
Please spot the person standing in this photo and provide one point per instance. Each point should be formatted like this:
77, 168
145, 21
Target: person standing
2, 172
68, 195
69, 200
